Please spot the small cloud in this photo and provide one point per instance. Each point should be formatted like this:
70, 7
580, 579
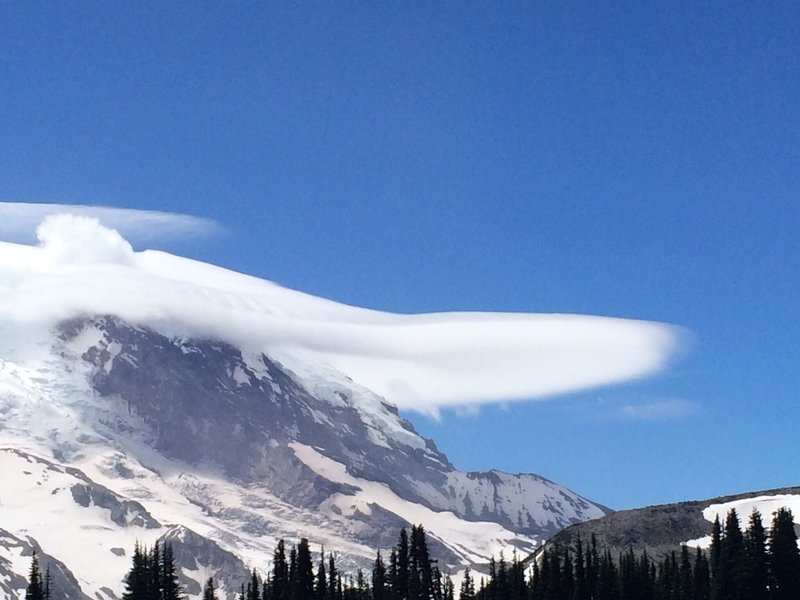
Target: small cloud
467, 411
657, 410
19, 221
70, 239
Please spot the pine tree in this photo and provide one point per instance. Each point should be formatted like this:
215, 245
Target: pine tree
334, 580
715, 551
170, 586
685, 576
580, 591
379, 579
755, 578
280, 573
592, 566
253, 587
567, 579
420, 575
321, 585
35, 589
400, 583
209, 592
732, 558
137, 580
701, 577
607, 581
467, 591
784, 558
361, 589
153, 567
293, 580
516, 579
304, 579
534, 583
48, 584
449, 590
500, 582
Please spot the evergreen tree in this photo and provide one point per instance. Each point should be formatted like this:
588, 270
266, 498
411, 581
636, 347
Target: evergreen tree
379, 579
420, 574
361, 589
784, 558
400, 584
685, 576
500, 582
701, 577
732, 557
534, 583
321, 586
567, 580
48, 583
467, 590
580, 590
755, 578
170, 586
334, 581
628, 576
607, 582
35, 589
137, 581
490, 591
304, 580
392, 575
253, 587
448, 590
280, 573
715, 551
153, 567
293, 583
516, 579
592, 565
209, 592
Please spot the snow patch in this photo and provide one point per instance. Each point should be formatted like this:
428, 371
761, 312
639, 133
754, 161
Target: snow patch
766, 505
473, 541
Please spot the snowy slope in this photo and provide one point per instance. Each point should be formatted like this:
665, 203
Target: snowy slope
764, 504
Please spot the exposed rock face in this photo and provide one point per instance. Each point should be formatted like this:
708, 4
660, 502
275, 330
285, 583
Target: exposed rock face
194, 553
121, 512
192, 394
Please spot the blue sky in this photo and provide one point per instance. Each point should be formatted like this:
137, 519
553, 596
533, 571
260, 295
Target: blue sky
636, 160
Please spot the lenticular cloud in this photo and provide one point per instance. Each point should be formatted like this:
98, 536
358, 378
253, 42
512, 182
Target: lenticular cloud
420, 362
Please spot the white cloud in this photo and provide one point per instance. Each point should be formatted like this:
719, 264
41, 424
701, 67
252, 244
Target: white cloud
657, 410
420, 362
19, 220
70, 239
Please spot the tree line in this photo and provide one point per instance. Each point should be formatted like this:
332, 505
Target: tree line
749, 565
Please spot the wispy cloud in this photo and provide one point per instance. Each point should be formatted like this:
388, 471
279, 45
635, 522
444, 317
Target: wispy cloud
671, 409
19, 220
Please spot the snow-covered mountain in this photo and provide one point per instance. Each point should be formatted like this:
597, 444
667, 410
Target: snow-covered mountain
143, 396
